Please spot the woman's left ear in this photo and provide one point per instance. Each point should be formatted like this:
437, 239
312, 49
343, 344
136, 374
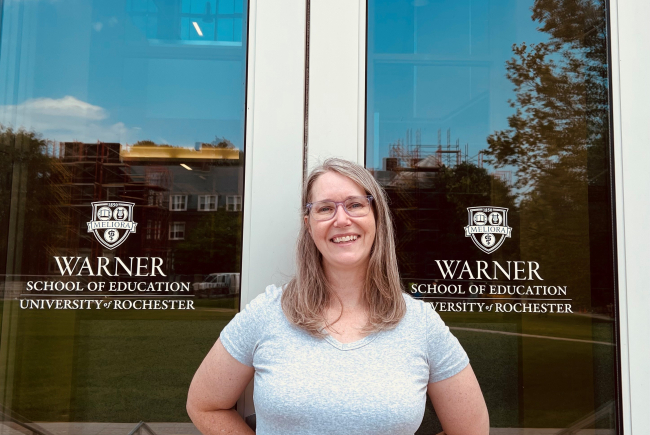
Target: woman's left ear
307, 224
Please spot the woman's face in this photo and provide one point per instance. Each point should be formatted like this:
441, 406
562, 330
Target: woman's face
338, 254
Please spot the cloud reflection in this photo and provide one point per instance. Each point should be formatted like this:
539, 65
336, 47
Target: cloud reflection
67, 119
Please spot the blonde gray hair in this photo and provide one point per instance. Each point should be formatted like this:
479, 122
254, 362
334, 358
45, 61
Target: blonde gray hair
308, 294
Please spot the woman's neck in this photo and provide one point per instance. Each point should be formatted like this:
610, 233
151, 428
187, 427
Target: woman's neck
348, 285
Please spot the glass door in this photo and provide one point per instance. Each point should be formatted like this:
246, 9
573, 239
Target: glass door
128, 167
488, 124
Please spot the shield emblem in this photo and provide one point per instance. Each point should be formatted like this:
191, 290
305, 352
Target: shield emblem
112, 222
488, 227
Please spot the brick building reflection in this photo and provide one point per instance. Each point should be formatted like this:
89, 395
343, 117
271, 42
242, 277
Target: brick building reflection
174, 189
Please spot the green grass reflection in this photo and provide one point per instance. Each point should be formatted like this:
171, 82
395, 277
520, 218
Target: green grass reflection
112, 366
538, 382
127, 366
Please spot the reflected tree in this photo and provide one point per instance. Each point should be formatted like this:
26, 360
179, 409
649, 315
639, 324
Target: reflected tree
557, 137
219, 142
217, 237
27, 189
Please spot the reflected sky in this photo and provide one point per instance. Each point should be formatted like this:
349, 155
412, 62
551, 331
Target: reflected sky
440, 65
124, 70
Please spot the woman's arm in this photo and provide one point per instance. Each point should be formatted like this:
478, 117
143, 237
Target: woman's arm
459, 404
217, 384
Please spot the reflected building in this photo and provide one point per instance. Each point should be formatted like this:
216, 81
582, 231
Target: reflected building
171, 198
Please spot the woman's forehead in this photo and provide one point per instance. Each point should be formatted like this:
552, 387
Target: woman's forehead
334, 186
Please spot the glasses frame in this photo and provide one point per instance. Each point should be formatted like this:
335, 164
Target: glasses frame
309, 206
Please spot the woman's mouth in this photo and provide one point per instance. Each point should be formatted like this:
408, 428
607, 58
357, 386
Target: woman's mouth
344, 239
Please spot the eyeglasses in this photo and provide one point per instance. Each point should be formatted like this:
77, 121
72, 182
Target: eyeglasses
354, 206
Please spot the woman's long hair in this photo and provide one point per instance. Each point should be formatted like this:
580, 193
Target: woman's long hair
308, 294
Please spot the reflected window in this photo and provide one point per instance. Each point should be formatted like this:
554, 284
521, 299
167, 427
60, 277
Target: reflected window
178, 202
207, 202
177, 231
233, 203
117, 116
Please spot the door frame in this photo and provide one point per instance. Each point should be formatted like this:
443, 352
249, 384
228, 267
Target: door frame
274, 148
630, 61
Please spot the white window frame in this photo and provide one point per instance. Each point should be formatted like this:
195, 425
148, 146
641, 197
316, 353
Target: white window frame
630, 61
236, 203
173, 230
205, 199
155, 198
275, 134
173, 202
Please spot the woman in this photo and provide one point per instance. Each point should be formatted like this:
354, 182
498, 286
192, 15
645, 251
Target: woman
341, 349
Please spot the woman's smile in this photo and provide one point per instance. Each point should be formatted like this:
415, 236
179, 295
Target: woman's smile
345, 239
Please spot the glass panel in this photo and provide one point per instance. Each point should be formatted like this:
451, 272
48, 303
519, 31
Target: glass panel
122, 134
487, 123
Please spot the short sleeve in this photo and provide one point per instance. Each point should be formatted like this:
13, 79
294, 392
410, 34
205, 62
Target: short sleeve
242, 335
446, 356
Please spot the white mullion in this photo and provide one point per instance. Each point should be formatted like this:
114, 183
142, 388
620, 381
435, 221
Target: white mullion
630, 62
336, 80
274, 148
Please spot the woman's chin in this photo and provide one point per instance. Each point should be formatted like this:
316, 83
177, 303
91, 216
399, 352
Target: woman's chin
347, 262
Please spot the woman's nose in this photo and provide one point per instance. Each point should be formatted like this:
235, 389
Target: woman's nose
341, 217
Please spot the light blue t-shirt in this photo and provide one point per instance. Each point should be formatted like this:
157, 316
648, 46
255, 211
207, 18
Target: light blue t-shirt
305, 385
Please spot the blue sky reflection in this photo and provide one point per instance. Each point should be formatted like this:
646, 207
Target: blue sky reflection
124, 70
439, 65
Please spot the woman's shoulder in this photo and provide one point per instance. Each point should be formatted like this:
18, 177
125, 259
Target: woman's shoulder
264, 309
416, 305
251, 324
417, 309
270, 299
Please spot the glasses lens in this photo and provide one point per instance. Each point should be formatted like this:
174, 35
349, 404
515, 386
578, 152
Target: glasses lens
357, 206
323, 210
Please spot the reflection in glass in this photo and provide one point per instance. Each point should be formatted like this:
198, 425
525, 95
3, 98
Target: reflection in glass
504, 104
115, 101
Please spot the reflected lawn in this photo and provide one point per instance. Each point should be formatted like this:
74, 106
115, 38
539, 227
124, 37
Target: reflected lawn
538, 382
127, 366
575, 326
112, 366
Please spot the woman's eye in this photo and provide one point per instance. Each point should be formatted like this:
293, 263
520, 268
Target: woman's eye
324, 209
355, 205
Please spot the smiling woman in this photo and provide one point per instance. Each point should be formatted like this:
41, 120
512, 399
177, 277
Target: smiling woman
322, 263
341, 348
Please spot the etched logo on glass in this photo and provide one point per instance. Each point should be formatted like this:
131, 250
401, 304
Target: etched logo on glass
488, 227
112, 222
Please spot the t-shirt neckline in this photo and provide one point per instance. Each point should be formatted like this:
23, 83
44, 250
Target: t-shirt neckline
353, 345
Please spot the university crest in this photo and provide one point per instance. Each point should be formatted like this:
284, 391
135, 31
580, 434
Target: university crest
112, 222
488, 227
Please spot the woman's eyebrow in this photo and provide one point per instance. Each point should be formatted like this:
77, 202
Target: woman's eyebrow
331, 200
